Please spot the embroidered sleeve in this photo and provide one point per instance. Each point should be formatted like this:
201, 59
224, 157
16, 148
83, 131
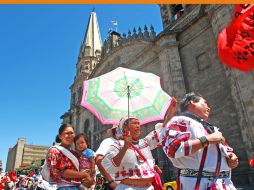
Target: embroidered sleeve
54, 159
175, 140
58, 163
108, 162
153, 137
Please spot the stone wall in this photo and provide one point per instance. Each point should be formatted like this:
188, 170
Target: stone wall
11, 159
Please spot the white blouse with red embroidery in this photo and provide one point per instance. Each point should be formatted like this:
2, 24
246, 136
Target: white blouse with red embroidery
132, 165
176, 141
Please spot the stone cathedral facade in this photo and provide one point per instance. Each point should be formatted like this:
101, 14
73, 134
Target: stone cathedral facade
185, 56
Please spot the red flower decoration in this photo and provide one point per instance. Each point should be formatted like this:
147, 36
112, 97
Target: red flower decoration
131, 172
145, 172
138, 172
99, 182
123, 172
117, 175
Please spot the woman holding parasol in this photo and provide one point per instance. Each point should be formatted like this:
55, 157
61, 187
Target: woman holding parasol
131, 159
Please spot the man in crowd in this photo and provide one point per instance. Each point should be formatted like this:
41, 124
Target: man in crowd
197, 148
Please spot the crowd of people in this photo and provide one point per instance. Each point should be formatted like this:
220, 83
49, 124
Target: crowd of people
124, 160
24, 181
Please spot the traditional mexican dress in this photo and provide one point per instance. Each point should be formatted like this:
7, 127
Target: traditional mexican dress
176, 141
58, 163
132, 165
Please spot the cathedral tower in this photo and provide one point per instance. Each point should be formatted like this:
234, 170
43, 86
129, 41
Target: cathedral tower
88, 58
90, 49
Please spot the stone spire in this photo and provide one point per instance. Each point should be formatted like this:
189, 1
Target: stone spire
92, 40
89, 57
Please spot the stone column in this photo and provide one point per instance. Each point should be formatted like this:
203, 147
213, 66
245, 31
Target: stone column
166, 14
173, 83
170, 66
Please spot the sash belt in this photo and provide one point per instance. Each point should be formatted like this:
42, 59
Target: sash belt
205, 174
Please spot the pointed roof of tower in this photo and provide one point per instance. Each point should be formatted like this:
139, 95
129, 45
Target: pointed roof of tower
92, 40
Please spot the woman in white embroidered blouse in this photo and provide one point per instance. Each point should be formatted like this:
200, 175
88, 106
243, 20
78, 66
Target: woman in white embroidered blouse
125, 162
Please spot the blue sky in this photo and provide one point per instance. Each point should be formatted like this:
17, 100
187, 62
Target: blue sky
39, 45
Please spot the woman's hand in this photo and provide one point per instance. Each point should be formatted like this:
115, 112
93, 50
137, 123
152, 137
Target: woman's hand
88, 181
127, 141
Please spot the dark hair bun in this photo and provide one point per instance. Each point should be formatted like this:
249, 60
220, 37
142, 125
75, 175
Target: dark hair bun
57, 139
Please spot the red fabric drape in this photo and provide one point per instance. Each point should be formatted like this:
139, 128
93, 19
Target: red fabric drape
236, 42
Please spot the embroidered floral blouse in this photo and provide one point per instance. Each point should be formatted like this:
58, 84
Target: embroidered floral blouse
58, 162
132, 165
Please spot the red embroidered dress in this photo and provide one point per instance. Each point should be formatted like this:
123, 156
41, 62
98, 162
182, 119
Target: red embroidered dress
58, 162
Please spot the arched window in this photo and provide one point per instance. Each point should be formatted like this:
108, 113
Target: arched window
86, 126
89, 138
80, 90
95, 127
177, 11
86, 130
